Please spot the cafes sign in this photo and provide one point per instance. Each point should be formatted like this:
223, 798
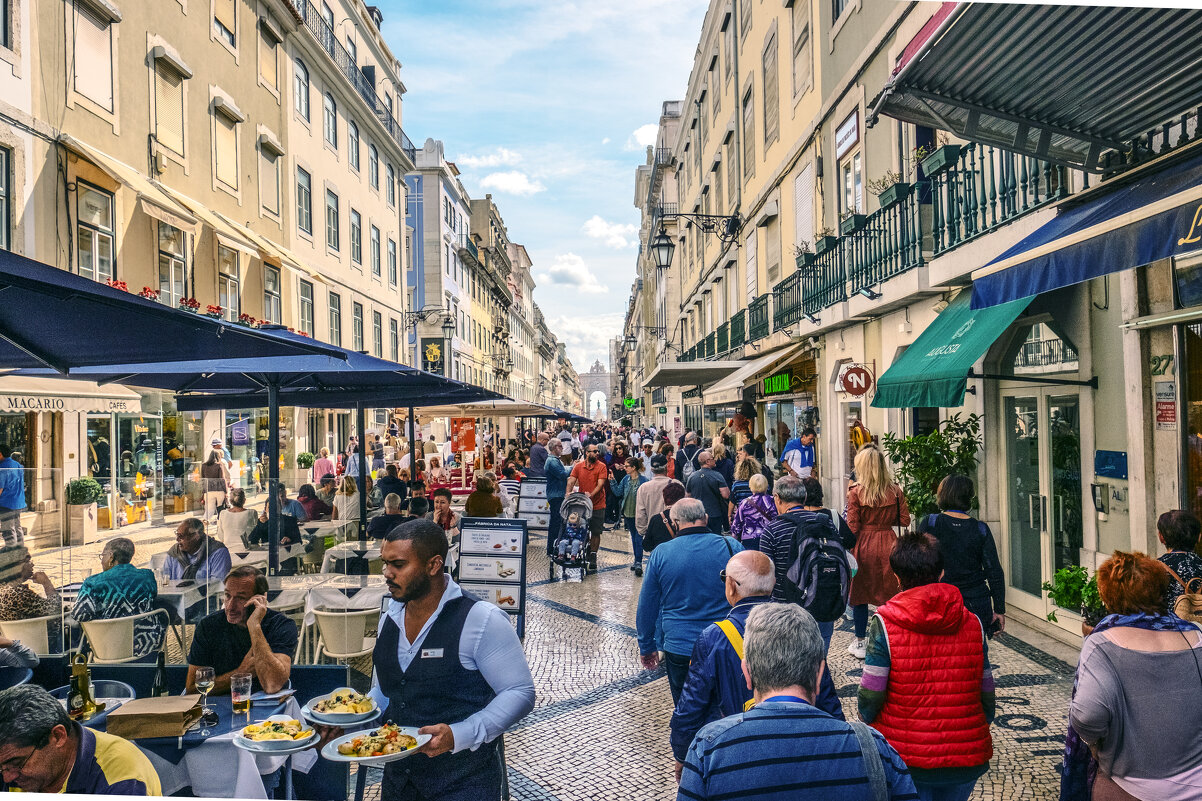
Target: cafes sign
58, 403
779, 383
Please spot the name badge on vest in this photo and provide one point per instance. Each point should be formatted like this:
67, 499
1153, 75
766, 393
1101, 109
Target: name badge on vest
431, 653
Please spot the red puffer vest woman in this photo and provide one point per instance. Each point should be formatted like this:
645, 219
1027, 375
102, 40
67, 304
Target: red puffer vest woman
933, 713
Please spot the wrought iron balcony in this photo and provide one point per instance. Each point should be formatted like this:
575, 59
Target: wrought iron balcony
738, 329
889, 244
986, 187
710, 349
362, 84
663, 156
758, 324
722, 341
466, 243
824, 282
786, 301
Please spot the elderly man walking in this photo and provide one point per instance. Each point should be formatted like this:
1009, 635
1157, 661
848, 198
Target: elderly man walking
715, 687
538, 456
784, 747
708, 486
683, 591
649, 500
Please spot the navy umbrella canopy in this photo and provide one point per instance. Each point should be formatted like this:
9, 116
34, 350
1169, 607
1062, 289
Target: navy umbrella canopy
58, 320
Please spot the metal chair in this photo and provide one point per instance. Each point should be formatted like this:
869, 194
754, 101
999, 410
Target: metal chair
34, 632
112, 640
344, 635
296, 613
101, 688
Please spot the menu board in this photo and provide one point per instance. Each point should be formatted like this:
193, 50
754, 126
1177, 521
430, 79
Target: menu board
492, 561
533, 506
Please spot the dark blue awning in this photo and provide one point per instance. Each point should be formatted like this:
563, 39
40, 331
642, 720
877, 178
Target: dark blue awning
1150, 218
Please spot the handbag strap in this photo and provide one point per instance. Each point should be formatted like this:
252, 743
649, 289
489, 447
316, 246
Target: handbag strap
872, 760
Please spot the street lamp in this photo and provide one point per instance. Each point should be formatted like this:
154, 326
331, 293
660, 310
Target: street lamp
427, 315
661, 249
726, 227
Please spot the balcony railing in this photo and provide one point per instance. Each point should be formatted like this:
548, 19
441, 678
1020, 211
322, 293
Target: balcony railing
738, 329
711, 349
722, 341
1045, 353
663, 156
889, 244
824, 282
786, 301
758, 324
466, 243
987, 187
326, 37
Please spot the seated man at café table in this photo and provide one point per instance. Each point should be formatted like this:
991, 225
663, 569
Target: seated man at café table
291, 507
390, 482
244, 637
196, 555
289, 529
122, 590
390, 519
448, 664
44, 751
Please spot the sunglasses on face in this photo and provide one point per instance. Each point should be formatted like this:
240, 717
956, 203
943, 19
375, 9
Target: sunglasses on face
722, 575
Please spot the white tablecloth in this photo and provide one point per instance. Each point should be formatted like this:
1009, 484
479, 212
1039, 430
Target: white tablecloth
258, 557
369, 593
349, 550
327, 527
219, 769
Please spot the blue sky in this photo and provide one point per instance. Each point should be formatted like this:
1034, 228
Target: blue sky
548, 105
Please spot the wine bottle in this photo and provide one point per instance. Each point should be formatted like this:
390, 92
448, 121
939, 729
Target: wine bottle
159, 686
80, 705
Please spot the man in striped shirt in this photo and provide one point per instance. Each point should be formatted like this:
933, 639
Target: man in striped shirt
784, 747
510, 483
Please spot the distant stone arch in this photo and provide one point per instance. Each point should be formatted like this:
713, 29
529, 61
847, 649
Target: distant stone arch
598, 379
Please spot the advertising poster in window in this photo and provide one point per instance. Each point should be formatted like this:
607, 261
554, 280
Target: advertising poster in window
463, 434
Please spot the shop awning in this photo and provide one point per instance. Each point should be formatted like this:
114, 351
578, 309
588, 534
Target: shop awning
689, 374
1061, 82
934, 370
153, 199
729, 390
29, 394
1149, 218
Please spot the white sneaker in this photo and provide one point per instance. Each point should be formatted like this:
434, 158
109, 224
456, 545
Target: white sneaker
858, 648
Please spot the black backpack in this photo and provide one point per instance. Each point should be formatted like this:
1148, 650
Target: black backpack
819, 574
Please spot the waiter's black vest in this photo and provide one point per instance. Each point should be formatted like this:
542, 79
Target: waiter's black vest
437, 688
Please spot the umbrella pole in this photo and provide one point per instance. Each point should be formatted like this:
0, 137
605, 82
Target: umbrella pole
412, 440
361, 424
272, 467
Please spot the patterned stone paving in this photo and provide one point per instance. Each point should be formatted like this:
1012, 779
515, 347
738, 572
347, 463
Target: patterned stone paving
600, 727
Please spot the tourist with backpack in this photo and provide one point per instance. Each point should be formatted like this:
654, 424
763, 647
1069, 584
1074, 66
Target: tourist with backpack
754, 513
876, 510
687, 458
814, 498
970, 559
812, 569
927, 685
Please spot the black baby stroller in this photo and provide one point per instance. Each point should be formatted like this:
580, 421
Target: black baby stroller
571, 567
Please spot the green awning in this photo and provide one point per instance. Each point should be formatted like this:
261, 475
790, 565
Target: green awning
934, 370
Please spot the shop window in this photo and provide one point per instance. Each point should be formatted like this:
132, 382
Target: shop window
228, 295
92, 59
305, 290
357, 326
271, 294
356, 238
94, 210
304, 201
171, 265
335, 319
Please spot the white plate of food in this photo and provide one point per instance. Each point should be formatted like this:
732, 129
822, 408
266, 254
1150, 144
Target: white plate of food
387, 743
343, 707
279, 734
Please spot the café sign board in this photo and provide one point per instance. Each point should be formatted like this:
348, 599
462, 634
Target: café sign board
778, 383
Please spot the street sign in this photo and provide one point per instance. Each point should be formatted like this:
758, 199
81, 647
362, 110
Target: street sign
854, 379
779, 383
663, 410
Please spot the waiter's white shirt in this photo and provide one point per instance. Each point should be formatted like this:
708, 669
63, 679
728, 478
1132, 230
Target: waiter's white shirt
488, 644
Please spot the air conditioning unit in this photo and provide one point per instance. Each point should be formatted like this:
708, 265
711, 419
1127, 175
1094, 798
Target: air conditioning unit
160, 164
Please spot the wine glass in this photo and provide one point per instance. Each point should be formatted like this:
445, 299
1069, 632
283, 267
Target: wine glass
204, 683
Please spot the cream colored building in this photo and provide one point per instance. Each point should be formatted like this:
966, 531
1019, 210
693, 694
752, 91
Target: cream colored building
523, 381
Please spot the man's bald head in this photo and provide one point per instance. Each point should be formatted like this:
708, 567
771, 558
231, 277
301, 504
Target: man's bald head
751, 573
543, 438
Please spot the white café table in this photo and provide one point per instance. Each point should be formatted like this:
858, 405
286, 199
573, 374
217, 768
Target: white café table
258, 557
346, 592
368, 550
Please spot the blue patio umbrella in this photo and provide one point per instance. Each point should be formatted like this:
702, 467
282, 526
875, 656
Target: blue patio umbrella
58, 320
344, 379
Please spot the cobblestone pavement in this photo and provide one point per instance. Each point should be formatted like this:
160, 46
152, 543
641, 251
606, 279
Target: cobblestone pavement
600, 728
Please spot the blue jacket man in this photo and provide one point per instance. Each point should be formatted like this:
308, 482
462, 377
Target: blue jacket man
12, 497
715, 687
683, 591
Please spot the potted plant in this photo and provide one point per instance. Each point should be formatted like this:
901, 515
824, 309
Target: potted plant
889, 189
1074, 590
851, 221
150, 293
190, 304
213, 311
83, 495
115, 284
922, 461
803, 253
936, 158
305, 460
824, 241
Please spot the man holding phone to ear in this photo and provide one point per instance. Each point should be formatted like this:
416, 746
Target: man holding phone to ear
244, 637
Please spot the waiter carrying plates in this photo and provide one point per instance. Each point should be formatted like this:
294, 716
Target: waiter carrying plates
449, 664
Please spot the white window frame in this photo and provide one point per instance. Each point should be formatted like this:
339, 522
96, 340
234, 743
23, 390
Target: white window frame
273, 310
98, 234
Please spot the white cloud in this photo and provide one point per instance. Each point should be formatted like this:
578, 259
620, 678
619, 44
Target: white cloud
512, 182
642, 137
570, 270
502, 157
587, 337
614, 235
605, 141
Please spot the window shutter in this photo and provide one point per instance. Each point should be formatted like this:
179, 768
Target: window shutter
225, 12
93, 57
169, 107
772, 251
225, 140
771, 94
753, 278
803, 206
749, 133
268, 64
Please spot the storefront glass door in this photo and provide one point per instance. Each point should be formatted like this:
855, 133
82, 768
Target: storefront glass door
1043, 490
